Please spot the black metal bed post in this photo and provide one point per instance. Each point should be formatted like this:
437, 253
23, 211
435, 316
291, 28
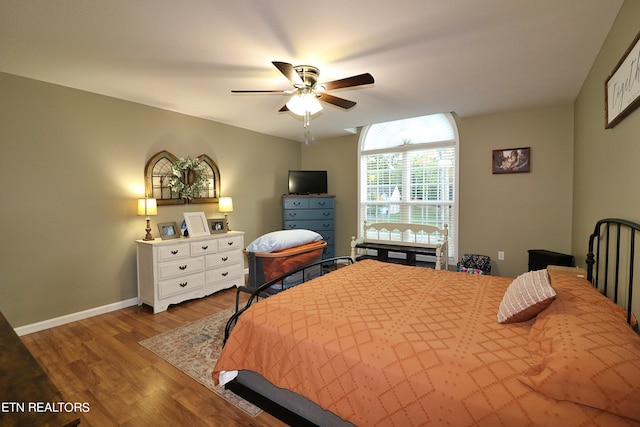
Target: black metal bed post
592, 259
631, 271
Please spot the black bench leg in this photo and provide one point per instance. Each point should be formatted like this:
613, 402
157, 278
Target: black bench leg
411, 258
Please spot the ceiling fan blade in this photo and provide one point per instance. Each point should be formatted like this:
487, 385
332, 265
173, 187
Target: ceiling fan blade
289, 72
340, 102
258, 91
359, 80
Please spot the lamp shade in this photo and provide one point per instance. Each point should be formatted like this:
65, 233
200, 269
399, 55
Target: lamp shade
304, 102
147, 207
225, 204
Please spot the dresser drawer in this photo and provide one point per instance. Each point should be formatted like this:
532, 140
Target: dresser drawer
225, 273
327, 236
223, 258
177, 251
180, 267
301, 203
203, 247
184, 284
315, 225
229, 243
321, 203
308, 214
328, 251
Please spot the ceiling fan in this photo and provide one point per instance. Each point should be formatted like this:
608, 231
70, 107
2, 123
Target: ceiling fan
306, 91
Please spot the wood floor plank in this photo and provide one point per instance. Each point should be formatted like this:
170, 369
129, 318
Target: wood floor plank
99, 361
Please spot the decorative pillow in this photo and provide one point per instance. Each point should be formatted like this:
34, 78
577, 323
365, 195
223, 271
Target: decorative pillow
526, 296
283, 239
586, 353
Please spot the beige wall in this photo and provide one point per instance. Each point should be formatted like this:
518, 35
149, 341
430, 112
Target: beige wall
607, 161
516, 212
70, 171
339, 157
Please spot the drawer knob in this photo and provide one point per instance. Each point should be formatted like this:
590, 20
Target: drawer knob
175, 251
225, 274
204, 248
326, 225
321, 203
292, 214
326, 213
182, 285
225, 258
182, 267
230, 243
296, 203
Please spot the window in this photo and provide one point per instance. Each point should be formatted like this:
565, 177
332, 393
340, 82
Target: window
408, 173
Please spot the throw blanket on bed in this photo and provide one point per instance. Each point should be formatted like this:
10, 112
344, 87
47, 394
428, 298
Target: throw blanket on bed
383, 344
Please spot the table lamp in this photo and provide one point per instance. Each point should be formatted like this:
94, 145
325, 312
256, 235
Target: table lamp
147, 207
225, 205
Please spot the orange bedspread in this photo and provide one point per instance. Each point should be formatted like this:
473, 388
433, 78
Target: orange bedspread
383, 344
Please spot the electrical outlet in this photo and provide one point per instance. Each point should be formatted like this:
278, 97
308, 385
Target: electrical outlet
500, 255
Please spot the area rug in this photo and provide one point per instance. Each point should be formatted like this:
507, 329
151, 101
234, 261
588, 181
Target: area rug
194, 349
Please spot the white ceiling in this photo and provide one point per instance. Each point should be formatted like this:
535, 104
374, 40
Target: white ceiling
471, 57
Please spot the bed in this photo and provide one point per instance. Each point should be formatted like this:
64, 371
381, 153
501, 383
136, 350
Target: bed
383, 344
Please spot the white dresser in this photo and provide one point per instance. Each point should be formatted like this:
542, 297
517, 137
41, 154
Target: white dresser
172, 271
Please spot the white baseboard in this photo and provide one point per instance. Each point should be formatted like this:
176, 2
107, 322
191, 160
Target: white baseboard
57, 321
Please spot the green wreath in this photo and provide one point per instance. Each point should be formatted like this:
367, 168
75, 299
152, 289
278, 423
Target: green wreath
189, 177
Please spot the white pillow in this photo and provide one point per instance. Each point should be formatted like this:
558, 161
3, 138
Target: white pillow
283, 239
526, 296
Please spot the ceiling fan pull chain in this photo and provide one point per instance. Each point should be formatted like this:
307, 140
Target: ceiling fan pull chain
307, 118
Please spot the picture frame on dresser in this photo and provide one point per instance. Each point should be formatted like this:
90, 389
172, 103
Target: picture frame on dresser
168, 230
196, 224
217, 225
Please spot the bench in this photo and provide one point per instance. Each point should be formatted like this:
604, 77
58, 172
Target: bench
408, 239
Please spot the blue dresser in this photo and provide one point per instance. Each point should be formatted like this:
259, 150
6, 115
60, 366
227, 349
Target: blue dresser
313, 212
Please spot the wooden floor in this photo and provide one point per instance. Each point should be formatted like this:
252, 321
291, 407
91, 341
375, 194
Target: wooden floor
99, 361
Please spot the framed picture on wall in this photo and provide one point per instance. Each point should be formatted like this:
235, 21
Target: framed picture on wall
511, 160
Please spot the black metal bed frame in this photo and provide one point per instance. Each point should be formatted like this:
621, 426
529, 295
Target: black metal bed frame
625, 233
326, 265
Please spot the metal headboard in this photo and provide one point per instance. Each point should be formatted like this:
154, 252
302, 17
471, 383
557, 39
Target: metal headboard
614, 260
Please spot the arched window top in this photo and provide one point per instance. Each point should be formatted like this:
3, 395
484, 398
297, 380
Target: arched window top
416, 130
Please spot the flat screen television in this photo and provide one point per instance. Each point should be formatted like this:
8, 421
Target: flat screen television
307, 182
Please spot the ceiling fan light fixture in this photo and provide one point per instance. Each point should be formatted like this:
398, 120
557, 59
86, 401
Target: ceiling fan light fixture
303, 102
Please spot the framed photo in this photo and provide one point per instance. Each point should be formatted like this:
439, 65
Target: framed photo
511, 160
216, 225
196, 224
622, 87
168, 230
